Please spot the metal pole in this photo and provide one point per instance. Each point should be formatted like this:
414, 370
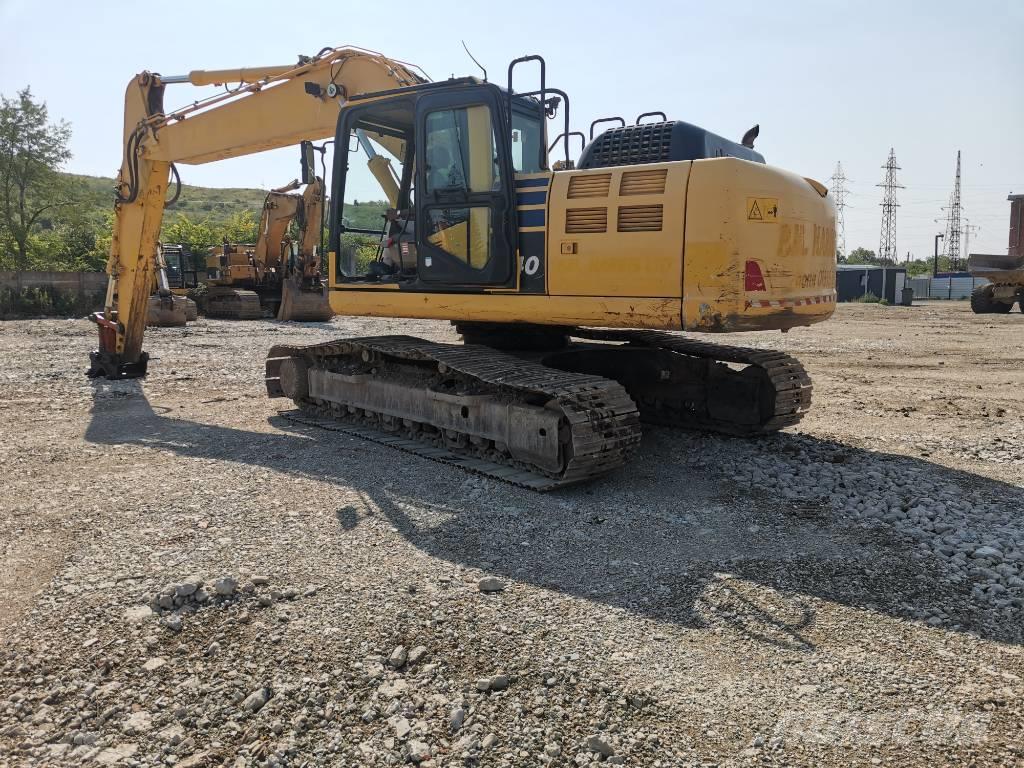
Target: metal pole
935, 268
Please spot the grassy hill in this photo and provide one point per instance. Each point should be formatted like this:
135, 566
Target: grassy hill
212, 205
78, 237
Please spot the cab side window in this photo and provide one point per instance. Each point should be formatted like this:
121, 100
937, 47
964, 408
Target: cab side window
461, 162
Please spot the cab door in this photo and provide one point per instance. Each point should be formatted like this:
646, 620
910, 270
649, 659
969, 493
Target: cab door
465, 215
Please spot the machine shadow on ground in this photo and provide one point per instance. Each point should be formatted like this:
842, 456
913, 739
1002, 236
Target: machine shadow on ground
690, 551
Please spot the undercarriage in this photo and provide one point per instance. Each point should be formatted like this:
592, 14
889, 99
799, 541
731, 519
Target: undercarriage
550, 415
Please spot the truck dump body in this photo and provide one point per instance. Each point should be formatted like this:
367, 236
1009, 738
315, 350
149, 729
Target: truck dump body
997, 267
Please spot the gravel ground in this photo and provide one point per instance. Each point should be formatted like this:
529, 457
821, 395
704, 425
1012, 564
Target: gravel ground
188, 579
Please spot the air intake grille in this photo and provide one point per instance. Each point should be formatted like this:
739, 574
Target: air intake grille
632, 145
640, 218
590, 185
643, 182
581, 220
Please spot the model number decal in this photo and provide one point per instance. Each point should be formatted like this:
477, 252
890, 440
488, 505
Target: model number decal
793, 241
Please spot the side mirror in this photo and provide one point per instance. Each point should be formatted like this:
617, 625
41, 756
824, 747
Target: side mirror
308, 162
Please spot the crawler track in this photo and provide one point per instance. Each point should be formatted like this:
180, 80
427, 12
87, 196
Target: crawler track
598, 424
233, 304
779, 384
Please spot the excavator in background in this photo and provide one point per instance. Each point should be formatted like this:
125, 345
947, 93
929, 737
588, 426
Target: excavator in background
175, 275
565, 279
276, 274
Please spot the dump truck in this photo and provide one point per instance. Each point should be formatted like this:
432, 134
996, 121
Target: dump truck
1004, 271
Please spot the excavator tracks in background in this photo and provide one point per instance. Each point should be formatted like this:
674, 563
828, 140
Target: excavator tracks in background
538, 421
233, 304
470, 406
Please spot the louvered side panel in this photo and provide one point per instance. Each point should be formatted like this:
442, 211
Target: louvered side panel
650, 182
584, 220
640, 218
590, 185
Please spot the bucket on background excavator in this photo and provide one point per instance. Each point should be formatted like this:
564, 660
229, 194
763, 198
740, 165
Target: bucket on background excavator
169, 311
300, 304
303, 293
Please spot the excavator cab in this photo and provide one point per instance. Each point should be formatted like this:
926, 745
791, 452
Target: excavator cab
451, 220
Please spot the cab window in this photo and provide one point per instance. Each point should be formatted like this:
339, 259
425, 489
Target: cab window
461, 162
461, 152
526, 143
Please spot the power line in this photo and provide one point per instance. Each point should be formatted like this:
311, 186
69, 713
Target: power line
887, 241
839, 193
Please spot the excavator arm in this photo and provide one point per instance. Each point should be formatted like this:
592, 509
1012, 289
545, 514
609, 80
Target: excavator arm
279, 209
270, 107
312, 222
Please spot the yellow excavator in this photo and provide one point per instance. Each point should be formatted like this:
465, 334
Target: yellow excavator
175, 275
275, 274
566, 279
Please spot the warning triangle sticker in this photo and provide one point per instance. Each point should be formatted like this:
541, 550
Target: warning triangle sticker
755, 212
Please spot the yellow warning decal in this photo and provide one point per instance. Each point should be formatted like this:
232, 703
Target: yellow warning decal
763, 209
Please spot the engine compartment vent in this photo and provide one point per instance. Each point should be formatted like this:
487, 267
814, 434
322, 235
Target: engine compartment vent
584, 220
633, 145
640, 218
590, 185
643, 182
660, 142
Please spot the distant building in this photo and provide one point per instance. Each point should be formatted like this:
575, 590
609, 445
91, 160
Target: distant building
856, 280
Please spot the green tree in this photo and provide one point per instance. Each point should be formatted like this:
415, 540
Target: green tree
862, 256
197, 235
32, 150
241, 227
924, 267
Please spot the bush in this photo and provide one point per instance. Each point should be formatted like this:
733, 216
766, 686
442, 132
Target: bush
867, 298
198, 295
361, 249
47, 302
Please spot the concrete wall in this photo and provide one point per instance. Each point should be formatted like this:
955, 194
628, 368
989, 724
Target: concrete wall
73, 282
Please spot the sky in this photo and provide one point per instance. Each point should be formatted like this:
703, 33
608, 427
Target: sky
827, 81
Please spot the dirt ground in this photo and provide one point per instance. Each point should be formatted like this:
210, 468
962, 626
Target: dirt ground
847, 592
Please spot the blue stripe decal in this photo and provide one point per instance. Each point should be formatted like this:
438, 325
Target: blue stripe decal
533, 182
531, 198
531, 218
